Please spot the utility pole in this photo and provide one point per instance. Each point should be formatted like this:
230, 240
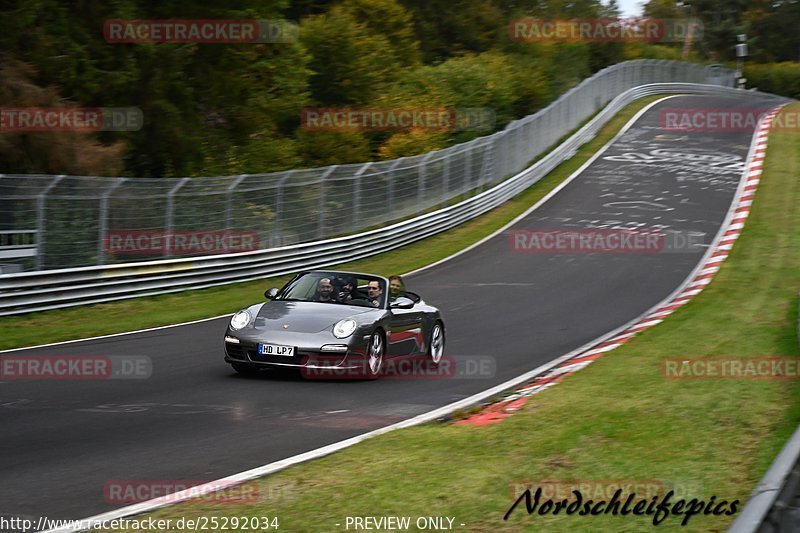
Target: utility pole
741, 53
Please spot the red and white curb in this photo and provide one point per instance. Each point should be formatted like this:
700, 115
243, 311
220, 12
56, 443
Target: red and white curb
700, 277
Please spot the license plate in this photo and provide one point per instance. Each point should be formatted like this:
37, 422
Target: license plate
275, 349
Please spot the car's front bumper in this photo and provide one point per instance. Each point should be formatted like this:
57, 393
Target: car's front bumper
308, 350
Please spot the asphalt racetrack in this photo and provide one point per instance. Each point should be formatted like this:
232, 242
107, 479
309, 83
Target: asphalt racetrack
63, 441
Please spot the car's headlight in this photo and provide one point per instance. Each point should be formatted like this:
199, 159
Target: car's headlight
344, 328
240, 319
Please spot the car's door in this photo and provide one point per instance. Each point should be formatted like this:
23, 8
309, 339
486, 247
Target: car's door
405, 337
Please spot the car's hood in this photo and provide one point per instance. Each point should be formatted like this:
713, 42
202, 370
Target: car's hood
303, 317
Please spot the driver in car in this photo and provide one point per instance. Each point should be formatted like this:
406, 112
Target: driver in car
324, 291
374, 293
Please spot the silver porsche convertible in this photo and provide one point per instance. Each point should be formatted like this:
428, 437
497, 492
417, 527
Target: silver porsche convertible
332, 323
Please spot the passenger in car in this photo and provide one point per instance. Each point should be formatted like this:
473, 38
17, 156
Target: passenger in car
396, 286
374, 293
348, 290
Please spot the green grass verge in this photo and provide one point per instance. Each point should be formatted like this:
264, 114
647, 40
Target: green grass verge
138, 313
618, 419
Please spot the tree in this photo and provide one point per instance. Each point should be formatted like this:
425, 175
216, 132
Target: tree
50, 152
391, 20
772, 30
662, 9
350, 63
448, 28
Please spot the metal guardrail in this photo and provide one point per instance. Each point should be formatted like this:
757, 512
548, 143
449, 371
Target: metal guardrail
88, 221
774, 505
38, 291
18, 243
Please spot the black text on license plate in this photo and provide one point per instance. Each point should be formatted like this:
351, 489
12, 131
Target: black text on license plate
276, 349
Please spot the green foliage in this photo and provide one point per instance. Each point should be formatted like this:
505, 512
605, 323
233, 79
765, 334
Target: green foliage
197, 100
322, 148
776, 78
770, 26
772, 30
447, 28
485, 80
567, 65
223, 109
416, 141
662, 9
64, 152
391, 20
506, 85
651, 51
351, 63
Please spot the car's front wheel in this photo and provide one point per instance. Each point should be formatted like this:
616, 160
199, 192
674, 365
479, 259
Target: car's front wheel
375, 353
436, 346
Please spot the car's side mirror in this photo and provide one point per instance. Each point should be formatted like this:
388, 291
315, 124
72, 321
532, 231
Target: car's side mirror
271, 293
401, 302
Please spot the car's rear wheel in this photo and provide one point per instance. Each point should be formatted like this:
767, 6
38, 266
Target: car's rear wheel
375, 354
436, 345
245, 369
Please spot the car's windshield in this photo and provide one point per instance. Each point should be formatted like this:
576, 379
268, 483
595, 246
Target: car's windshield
335, 288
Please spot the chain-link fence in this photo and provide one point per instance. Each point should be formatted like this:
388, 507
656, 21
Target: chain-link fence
67, 221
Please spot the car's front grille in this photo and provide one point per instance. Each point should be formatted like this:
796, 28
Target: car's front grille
235, 351
300, 357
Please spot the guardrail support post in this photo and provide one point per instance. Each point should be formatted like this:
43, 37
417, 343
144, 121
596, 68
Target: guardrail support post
528, 155
468, 171
421, 179
103, 222
446, 180
484, 175
498, 170
41, 220
321, 206
229, 200
169, 221
390, 192
357, 195
276, 227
